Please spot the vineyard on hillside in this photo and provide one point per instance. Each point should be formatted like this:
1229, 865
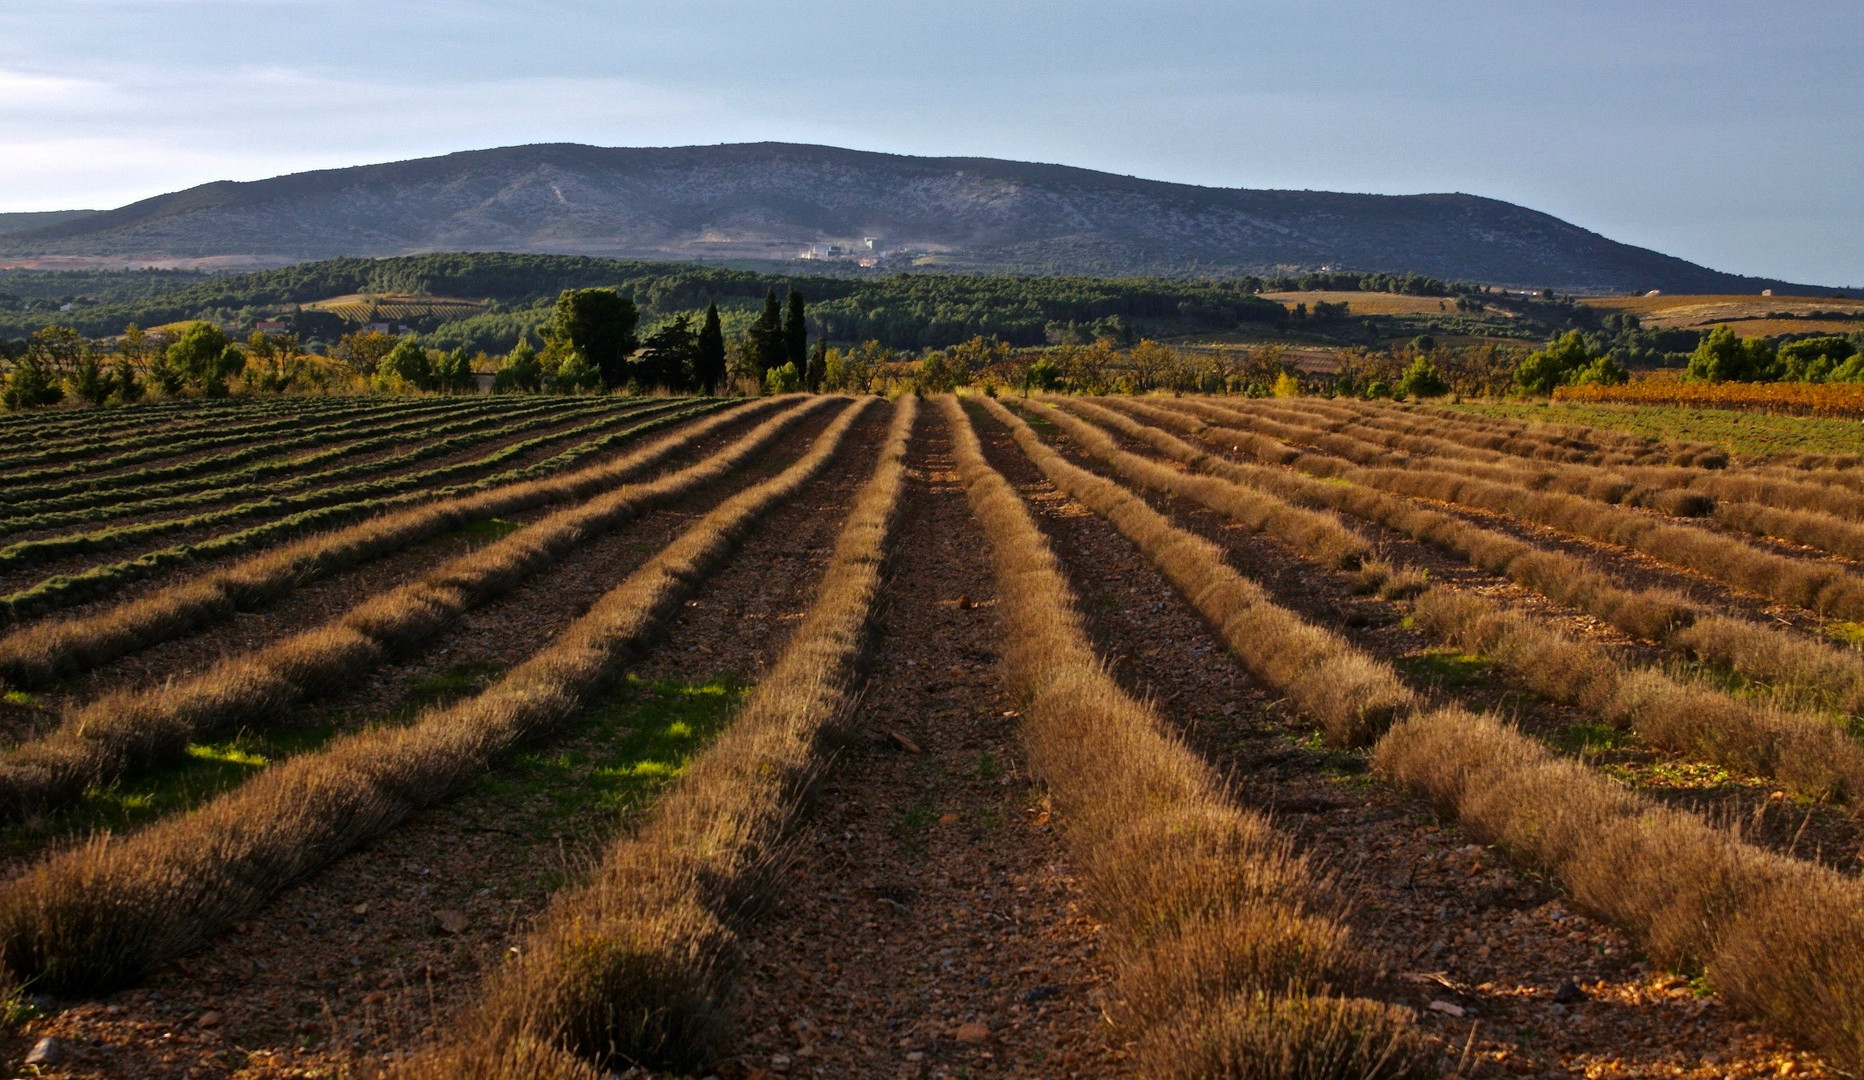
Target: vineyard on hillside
371, 307
838, 736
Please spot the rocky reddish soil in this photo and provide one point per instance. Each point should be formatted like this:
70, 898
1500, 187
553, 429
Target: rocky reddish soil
928, 927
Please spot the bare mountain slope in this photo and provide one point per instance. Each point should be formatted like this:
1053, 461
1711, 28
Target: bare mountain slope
774, 200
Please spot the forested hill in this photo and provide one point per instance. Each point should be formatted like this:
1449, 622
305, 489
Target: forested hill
773, 201
515, 292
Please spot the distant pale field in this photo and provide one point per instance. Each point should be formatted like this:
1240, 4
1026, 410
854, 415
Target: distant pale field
1362, 303
1747, 314
1309, 358
1740, 432
1748, 328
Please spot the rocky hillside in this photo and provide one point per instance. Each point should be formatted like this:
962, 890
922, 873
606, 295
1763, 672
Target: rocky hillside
775, 201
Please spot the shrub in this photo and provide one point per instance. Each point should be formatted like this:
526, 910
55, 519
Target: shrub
89, 383
1556, 364
202, 359
1723, 357
1601, 372
1818, 359
453, 373
1422, 379
407, 364
31, 385
783, 379
521, 372
576, 375
124, 386
1043, 375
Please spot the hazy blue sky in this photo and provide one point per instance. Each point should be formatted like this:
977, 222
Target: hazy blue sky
1728, 133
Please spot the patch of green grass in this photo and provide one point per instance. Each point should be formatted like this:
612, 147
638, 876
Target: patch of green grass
457, 682
489, 530
1331, 762
22, 699
1849, 633
1590, 737
987, 767
206, 770
1446, 668
15, 1010
624, 750
1665, 773
1736, 430
212, 767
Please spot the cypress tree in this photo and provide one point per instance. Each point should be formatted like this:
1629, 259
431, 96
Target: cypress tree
818, 367
767, 341
709, 362
796, 333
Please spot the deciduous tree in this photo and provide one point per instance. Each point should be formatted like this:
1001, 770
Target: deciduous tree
1723, 357
521, 373
407, 364
203, 359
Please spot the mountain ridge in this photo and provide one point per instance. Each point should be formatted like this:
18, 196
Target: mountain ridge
774, 201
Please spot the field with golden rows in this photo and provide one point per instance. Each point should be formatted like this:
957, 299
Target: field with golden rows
958, 737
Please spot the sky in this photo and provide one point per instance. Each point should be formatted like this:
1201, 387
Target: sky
1731, 134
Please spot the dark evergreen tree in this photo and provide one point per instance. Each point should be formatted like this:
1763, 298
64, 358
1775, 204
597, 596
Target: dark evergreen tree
768, 345
600, 324
669, 357
796, 333
709, 355
818, 367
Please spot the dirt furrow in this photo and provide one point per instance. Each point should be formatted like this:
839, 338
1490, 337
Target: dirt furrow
928, 924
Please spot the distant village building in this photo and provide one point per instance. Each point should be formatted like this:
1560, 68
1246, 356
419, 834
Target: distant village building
270, 326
